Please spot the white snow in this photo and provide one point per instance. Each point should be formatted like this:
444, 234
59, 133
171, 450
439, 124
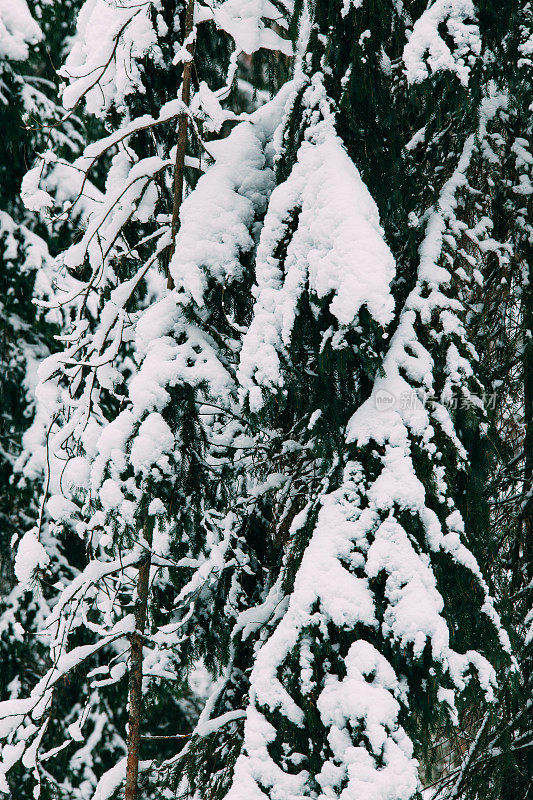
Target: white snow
337, 251
243, 20
425, 38
367, 695
337, 255
18, 29
30, 556
34, 198
60, 508
358, 526
109, 40
152, 444
216, 219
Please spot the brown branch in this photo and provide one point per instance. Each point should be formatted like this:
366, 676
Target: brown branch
182, 137
136, 667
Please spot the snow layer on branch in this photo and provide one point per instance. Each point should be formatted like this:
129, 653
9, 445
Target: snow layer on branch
408, 372
217, 228
112, 38
152, 444
367, 695
326, 592
30, 556
34, 198
18, 29
359, 527
217, 218
110, 781
243, 21
63, 182
458, 16
337, 252
322, 581
113, 778
126, 184
109, 40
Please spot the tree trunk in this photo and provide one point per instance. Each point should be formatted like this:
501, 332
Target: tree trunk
527, 509
136, 668
182, 138
524, 562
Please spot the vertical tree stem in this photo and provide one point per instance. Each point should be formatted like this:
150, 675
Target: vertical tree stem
136, 667
183, 124
526, 557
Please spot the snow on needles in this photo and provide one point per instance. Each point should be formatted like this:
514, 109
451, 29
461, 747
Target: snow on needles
111, 39
217, 227
30, 556
459, 16
18, 29
243, 20
217, 217
102, 65
337, 252
358, 537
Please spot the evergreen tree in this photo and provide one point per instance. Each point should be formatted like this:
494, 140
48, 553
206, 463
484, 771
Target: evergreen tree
495, 756
375, 651
29, 115
134, 434
25, 260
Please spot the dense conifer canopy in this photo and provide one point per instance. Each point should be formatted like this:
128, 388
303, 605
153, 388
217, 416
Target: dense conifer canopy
266, 398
